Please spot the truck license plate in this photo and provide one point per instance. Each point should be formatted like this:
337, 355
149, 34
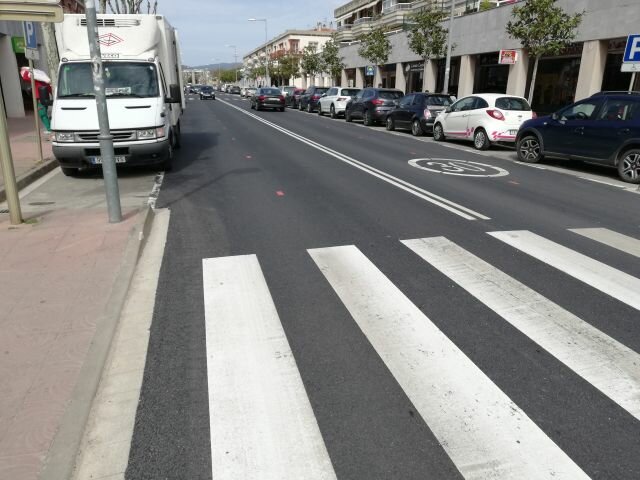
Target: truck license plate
98, 160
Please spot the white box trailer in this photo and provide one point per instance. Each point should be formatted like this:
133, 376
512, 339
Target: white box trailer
144, 86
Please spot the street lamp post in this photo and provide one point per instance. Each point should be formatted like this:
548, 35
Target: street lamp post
266, 40
235, 57
447, 68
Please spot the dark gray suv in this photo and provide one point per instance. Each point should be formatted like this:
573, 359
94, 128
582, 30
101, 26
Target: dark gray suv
372, 105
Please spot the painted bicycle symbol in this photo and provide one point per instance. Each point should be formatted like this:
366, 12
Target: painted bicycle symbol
451, 166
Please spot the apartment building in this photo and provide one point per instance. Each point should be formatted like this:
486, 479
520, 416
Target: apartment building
591, 64
290, 42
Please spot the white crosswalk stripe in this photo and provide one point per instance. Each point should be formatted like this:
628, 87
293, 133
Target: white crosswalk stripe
261, 420
609, 280
615, 240
482, 430
605, 363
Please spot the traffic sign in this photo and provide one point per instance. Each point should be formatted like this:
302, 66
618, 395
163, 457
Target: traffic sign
31, 10
632, 51
31, 41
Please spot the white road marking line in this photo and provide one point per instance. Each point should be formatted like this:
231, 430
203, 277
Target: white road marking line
609, 280
486, 435
612, 239
441, 202
262, 424
608, 365
602, 182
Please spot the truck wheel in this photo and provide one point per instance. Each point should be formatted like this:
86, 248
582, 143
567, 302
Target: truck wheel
177, 139
69, 172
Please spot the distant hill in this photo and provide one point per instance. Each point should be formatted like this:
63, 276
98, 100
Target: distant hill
214, 66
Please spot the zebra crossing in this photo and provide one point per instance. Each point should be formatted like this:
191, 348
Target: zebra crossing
262, 422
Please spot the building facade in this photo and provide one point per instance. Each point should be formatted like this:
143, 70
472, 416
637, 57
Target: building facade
591, 64
15, 92
291, 42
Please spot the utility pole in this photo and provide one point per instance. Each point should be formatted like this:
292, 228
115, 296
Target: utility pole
109, 172
447, 68
235, 57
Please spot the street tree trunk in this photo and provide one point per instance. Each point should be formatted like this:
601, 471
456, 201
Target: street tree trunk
533, 79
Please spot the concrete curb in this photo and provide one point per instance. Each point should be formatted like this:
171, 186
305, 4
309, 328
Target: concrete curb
61, 457
31, 176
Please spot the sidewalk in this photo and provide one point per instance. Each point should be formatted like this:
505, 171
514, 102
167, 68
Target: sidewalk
63, 279
24, 148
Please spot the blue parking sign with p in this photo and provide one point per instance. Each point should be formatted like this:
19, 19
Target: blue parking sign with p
31, 40
632, 52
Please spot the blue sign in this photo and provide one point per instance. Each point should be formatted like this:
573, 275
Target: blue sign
370, 71
30, 37
632, 52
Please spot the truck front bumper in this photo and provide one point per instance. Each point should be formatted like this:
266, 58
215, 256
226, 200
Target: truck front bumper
83, 155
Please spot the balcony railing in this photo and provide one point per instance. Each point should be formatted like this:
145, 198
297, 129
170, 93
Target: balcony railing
390, 6
363, 20
343, 28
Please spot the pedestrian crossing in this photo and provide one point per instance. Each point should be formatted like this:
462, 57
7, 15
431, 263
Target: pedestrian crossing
263, 424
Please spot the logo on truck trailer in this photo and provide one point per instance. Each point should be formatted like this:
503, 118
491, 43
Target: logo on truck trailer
109, 39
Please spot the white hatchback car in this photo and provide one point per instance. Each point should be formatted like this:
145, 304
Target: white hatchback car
335, 101
484, 118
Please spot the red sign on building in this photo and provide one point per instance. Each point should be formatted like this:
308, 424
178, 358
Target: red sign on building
508, 57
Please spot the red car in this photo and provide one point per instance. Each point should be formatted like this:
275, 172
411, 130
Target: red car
268, 98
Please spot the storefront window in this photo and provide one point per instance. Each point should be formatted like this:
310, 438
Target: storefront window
491, 77
414, 73
613, 78
556, 80
388, 76
454, 76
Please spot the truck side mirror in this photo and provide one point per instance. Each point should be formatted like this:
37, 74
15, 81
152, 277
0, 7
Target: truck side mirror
175, 94
45, 98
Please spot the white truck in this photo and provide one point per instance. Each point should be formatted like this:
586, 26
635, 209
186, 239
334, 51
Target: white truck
143, 84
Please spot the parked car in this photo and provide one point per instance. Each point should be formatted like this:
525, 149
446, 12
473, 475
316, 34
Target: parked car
268, 97
294, 100
417, 112
207, 93
309, 101
602, 129
250, 92
372, 105
243, 92
288, 91
234, 90
335, 101
485, 119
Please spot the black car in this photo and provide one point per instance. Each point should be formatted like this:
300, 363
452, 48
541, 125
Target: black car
309, 101
268, 98
417, 112
372, 105
602, 129
207, 93
235, 90
294, 100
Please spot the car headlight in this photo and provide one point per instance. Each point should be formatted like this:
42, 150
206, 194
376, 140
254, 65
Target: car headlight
146, 134
65, 137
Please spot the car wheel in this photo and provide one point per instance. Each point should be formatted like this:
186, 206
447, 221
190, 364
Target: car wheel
167, 165
390, 124
177, 139
367, 119
309, 109
281, 109
320, 109
481, 140
69, 172
629, 166
416, 128
251, 105
300, 106
347, 116
258, 108
438, 133
528, 148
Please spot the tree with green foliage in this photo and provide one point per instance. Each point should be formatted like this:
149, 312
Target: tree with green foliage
331, 60
289, 67
375, 46
129, 6
311, 63
486, 5
228, 76
427, 36
543, 29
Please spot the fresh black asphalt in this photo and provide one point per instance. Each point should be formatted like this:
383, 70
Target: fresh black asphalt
241, 187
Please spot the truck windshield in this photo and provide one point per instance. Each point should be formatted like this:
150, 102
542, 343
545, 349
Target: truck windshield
123, 79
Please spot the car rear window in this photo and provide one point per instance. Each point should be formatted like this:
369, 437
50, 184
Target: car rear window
390, 95
440, 101
512, 103
350, 91
206, 89
271, 91
322, 90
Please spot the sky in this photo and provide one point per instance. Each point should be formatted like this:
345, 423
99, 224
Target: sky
207, 26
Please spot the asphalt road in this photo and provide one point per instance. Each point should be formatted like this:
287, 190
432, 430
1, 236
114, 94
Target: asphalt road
436, 367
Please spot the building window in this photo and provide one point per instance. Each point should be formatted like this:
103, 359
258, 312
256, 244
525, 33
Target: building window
613, 78
491, 77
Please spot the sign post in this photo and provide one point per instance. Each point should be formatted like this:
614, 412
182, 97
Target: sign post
32, 10
31, 52
631, 59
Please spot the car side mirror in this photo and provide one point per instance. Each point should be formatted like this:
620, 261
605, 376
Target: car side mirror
175, 94
555, 116
45, 98
447, 110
